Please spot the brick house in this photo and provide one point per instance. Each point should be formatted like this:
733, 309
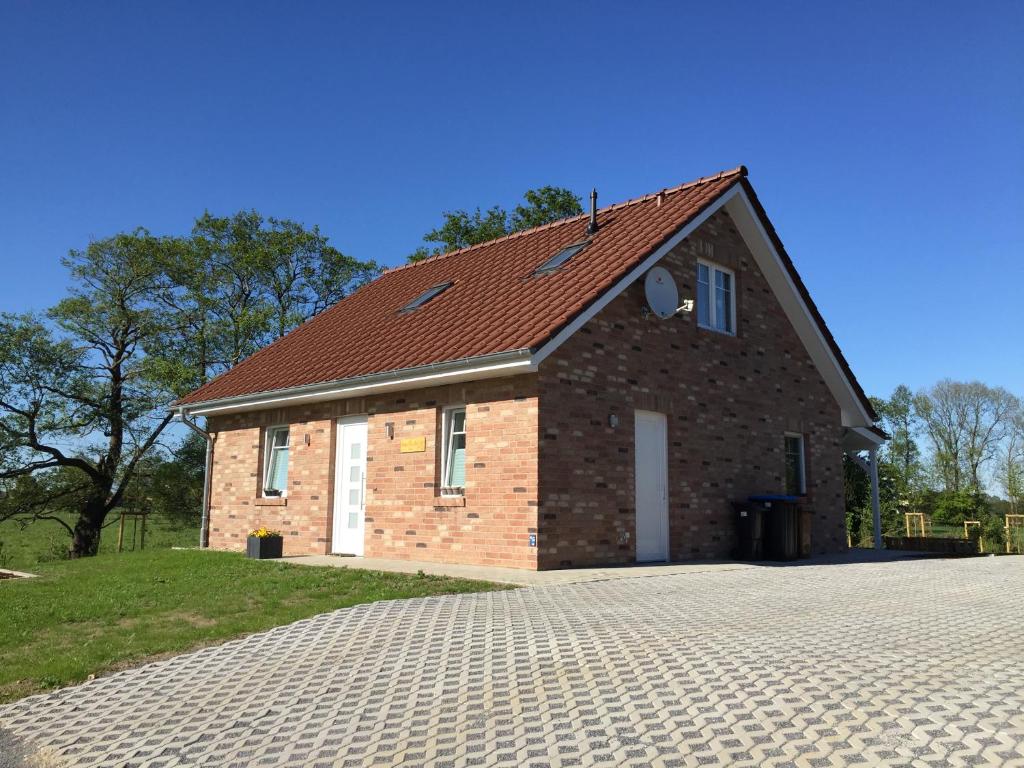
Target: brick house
521, 402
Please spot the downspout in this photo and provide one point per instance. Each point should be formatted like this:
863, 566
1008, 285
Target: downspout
204, 525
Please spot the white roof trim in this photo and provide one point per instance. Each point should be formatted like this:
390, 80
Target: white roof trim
771, 264
861, 439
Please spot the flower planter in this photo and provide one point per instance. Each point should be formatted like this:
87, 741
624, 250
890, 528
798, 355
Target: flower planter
264, 547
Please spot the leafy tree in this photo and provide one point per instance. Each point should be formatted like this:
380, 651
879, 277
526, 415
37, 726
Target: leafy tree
240, 282
84, 389
857, 488
956, 506
900, 420
169, 483
76, 393
545, 205
900, 458
462, 229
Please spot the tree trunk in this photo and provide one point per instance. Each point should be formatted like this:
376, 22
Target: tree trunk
85, 541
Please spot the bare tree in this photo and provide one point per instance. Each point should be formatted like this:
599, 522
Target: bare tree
1010, 466
965, 421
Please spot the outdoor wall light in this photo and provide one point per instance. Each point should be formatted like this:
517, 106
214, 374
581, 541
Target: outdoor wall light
389, 429
613, 420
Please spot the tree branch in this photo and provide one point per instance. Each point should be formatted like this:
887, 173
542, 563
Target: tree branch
141, 451
68, 528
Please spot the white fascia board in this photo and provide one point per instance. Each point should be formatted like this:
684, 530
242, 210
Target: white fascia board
342, 391
635, 274
799, 314
861, 439
870, 435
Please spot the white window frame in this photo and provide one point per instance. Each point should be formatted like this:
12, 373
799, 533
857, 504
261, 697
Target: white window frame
446, 419
267, 459
712, 304
803, 461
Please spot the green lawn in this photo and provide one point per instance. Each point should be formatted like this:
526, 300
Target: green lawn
98, 614
45, 541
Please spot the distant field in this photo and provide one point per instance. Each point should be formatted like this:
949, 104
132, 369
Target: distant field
45, 541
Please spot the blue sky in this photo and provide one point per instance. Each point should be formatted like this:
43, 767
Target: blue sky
886, 140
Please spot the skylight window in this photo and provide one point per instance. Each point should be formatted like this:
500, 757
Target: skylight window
560, 258
426, 296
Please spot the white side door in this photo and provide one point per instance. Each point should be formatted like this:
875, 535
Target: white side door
651, 449
350, 487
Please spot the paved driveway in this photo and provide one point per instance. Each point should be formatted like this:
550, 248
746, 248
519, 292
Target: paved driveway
906, 663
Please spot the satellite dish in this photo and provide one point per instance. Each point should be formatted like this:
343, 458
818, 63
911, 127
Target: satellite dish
661, 292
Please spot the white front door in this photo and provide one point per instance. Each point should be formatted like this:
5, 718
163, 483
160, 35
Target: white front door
651, 448
350, 487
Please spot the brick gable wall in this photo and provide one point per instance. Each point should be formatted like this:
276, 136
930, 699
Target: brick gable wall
729, 401
405, 517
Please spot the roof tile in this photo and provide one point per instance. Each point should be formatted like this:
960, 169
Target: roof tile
495, 304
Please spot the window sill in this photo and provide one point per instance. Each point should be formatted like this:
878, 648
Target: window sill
449, 501
271, 501
719, 331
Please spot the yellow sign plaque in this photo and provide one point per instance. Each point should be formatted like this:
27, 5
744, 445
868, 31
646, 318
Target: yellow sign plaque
413, 445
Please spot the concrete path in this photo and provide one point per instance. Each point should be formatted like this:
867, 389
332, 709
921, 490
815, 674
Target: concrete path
515, 576
914, 663
573, 575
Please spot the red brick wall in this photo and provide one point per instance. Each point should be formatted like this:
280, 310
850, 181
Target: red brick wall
236, 505
405, 517
729, 401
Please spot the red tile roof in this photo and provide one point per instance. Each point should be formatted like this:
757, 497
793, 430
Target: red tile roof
493, 305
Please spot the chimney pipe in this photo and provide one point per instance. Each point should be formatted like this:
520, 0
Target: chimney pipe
592, 226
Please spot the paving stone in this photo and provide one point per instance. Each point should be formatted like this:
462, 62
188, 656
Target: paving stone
911, 663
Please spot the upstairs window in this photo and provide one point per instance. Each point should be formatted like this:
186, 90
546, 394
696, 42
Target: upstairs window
796, 480
453, 451
559, 258
275, 463
716, 298
426, 296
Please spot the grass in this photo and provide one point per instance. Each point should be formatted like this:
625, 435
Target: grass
22, 549
94, 615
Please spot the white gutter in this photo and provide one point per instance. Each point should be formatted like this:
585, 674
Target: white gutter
469, 369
